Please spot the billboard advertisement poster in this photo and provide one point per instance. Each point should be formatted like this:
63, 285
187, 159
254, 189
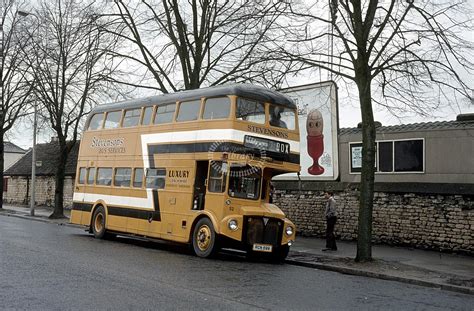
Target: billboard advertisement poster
318, 124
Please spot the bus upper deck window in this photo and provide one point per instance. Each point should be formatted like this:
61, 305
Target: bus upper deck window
96, 121
216, 108
131, 118
147, 115
112, 120
250, 110
282, 117
189, 111
165, 113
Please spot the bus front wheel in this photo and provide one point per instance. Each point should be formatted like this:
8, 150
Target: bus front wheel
98, 223
204, 238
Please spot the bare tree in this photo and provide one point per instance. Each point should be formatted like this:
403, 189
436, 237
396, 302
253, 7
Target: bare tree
401, 55
70, 66
15, 88
177, 45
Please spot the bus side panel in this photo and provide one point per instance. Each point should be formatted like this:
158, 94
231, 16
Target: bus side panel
76, 217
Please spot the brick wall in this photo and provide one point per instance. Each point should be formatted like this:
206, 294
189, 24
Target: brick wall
17, 191
441, 222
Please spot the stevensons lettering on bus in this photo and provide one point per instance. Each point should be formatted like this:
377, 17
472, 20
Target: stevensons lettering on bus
192, 167
113, 145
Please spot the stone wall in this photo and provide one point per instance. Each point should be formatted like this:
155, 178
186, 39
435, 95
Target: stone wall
427, 221
18, 191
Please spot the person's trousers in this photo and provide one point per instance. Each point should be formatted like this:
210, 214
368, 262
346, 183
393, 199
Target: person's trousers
330, 237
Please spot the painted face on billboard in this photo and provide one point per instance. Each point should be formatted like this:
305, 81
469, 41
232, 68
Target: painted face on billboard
314, 123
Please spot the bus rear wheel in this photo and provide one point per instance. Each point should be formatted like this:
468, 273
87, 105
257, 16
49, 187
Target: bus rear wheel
98, 223
204, 239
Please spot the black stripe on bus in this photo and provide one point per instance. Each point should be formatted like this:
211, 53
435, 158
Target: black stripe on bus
216, 147
120, 211
133, 213
156, 200
83, 207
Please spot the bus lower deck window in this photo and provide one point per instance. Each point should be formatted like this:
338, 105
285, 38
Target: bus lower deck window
155, 178
138, 178
122, 177
82, 175
90, 175
104, 176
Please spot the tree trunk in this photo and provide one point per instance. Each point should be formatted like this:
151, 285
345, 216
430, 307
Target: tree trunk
2, 166
59, 182
364, 237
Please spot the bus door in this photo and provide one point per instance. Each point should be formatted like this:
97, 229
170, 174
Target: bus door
216, 185
199, 192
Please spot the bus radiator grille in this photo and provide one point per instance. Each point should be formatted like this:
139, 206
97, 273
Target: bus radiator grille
263, 231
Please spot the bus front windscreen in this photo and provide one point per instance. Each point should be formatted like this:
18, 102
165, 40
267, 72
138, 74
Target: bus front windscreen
244, 181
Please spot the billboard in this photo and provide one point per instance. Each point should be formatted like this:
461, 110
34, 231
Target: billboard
318, 124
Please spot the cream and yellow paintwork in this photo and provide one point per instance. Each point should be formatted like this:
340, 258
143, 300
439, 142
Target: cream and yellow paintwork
175, 200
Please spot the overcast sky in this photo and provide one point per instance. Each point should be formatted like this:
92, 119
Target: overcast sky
349, 112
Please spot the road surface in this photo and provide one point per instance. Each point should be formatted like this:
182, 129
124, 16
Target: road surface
47, 266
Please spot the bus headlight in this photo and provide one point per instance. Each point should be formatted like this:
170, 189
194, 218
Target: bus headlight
233, 225
289, 231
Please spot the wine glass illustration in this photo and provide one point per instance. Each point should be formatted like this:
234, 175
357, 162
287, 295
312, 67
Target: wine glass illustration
315, 139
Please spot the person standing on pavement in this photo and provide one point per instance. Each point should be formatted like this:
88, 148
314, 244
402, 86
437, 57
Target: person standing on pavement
331, 218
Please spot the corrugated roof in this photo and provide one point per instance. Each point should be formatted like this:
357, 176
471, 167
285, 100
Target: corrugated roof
9, 147
47, 154
425, 126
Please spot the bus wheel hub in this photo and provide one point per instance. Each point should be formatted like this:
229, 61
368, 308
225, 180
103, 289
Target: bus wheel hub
204, 237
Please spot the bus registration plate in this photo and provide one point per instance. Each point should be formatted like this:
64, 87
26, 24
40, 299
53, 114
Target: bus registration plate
262, 248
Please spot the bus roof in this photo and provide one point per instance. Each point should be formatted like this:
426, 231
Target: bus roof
242, 90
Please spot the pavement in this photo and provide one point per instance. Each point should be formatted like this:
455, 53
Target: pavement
446, 271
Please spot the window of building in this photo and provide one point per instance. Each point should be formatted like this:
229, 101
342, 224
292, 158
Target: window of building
155, 178
217, 176
216, 108
395, 156
250, 110
82, 175
147, 112
96, 121
104, 176
408, 156
356, 157
90, 175
385, 151
113, 119
282, 117
122, 177
138, 178
131, 117
189, 111
165, 113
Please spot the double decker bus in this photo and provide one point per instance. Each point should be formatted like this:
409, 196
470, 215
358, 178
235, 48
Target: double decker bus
192, 167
